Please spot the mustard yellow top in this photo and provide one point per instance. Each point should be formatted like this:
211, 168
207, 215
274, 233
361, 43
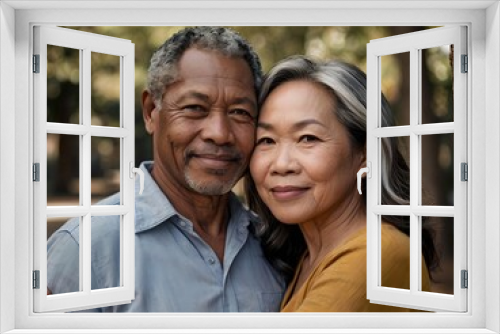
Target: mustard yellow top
338, 283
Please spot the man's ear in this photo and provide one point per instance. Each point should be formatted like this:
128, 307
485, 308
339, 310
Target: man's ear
148, 107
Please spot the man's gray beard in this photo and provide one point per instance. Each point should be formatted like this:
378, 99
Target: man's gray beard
211, 188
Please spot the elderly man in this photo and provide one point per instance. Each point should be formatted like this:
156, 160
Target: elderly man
196, 250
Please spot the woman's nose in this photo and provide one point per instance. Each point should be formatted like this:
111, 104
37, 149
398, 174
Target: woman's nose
285, 161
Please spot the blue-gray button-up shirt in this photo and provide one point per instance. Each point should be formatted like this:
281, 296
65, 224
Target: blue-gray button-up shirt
175, 270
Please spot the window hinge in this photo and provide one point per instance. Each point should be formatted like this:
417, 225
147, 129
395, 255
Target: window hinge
36, 63
465, 64
464, 171
465, 279
36, 279
36, 172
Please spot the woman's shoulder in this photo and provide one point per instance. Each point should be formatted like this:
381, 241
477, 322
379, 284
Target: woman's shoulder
351, 252
394, 242
395, 247
395, 257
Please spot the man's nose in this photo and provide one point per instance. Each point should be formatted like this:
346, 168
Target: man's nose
217, 128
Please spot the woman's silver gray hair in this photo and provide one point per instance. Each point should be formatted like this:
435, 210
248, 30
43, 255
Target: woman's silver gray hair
283, 243
163, 68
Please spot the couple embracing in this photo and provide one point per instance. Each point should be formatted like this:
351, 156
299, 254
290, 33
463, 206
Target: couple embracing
298, 138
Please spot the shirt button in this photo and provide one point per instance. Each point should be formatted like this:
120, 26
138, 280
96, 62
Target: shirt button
211, 260
183, 223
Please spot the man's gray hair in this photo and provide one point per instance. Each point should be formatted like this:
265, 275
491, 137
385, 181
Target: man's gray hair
163, 68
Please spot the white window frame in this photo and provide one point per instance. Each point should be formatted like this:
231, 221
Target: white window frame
414, 43
85, 43
16, 21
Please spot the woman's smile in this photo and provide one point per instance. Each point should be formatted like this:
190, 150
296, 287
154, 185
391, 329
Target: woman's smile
283, 193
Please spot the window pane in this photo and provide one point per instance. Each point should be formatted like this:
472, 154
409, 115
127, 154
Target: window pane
105, 168
105, 89
63, 85
106, 245
400, 184
437, 84
63, 170
437, 169
442, 272
395, 83
68, 277
396, 274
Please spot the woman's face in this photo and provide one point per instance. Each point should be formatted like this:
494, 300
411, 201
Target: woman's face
303, 164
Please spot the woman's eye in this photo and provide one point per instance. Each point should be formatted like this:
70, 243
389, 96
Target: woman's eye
264, 141
308, 139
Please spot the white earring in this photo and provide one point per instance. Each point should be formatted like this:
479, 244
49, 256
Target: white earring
360, 173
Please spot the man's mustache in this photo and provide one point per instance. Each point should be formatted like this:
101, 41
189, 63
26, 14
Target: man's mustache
214, 152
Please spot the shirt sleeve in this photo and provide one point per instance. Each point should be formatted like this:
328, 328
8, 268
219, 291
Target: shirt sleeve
63, 258
63, 264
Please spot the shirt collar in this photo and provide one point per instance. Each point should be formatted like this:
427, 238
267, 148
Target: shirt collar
153, 207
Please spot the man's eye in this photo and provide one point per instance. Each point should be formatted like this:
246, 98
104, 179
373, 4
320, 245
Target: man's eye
241, 112
264, 141
308, 139
194, 108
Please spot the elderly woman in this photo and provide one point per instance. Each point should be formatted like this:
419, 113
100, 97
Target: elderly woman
310, 143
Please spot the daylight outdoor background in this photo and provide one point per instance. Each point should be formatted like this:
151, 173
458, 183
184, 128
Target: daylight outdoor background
272, 44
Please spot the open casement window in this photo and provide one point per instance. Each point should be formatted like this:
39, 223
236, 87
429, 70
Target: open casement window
432, 136
86, 146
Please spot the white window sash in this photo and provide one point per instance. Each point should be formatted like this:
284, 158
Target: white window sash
86, 43
413, 298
